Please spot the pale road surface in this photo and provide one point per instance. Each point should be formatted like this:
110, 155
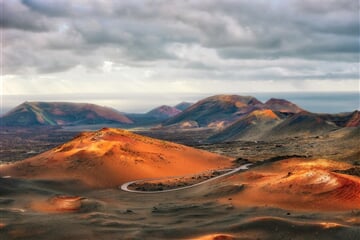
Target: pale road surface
125, 186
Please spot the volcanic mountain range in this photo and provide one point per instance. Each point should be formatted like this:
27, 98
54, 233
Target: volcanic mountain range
30, 114
234, 117
246, 118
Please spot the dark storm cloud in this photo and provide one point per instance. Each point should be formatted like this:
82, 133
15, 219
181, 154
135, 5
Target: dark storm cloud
17, 16
51, 36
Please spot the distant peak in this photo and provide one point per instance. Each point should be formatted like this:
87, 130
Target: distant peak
62, 113
282, 105
277, 100
183, 105
164, 111
165, 107
27, 103
231, 98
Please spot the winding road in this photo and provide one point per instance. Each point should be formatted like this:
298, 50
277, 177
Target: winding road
125, 186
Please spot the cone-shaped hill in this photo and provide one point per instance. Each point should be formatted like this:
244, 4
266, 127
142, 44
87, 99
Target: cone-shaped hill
110, 157
216, 108
163, 112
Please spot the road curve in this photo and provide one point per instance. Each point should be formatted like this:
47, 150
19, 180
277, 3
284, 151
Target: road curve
125, 186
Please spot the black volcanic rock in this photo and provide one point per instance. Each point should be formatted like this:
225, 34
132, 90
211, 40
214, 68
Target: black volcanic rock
61, 113
217, 108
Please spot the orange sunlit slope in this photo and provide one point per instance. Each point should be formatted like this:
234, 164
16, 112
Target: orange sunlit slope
109, 157
299, 184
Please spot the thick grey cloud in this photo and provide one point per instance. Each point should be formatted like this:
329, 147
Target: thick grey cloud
17, 16
201, 39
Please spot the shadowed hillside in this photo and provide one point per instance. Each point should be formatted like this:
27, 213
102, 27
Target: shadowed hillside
249, 127
303, 123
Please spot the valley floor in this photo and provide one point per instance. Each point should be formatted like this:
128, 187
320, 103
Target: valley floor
46, 209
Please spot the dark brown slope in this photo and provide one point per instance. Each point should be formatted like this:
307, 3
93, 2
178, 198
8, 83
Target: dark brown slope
267, 125
61, 113
347, 119
249, 127
354, 120
217, 108
303, 123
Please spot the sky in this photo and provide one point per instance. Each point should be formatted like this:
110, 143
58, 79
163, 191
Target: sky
159, 49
